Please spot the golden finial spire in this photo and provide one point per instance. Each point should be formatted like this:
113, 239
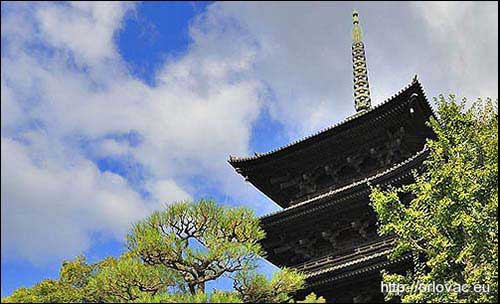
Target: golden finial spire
362, 99
356, 31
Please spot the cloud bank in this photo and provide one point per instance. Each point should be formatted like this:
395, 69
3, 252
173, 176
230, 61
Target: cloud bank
69, 102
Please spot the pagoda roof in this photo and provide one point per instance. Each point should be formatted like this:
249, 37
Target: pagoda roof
284, 173
369, 257
352, 120
315, 203
374, 263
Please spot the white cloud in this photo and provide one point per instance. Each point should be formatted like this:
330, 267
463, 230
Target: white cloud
167, 188
86, 29
50, 206
112, 147
291, 59
305, 53
466, 36
200, 112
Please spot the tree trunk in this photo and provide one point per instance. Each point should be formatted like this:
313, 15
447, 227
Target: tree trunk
201, 287
192, 289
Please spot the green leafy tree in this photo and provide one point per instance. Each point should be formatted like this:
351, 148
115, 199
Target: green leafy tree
255, 288
198, 297
127, 279
172, 254
70, 287
47, 291
200, 241
451, 218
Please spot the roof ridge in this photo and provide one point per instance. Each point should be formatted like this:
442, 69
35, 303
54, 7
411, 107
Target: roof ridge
236, 159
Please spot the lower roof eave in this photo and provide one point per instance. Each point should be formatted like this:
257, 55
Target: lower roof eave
332, 274
402, 166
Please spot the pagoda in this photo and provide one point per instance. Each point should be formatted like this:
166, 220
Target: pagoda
327, 228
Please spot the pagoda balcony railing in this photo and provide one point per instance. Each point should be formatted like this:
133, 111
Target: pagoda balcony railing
365, 250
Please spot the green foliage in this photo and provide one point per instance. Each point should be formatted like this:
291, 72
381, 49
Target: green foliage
198, 297
47, 291
171, 256
76, 273
451, 220
255, 288
127, 279
229, 240
312, 298
70, 287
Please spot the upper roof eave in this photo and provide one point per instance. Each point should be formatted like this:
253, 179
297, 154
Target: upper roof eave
236, 161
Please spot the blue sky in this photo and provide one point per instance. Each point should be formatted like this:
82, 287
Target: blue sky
111, 110
146, 28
